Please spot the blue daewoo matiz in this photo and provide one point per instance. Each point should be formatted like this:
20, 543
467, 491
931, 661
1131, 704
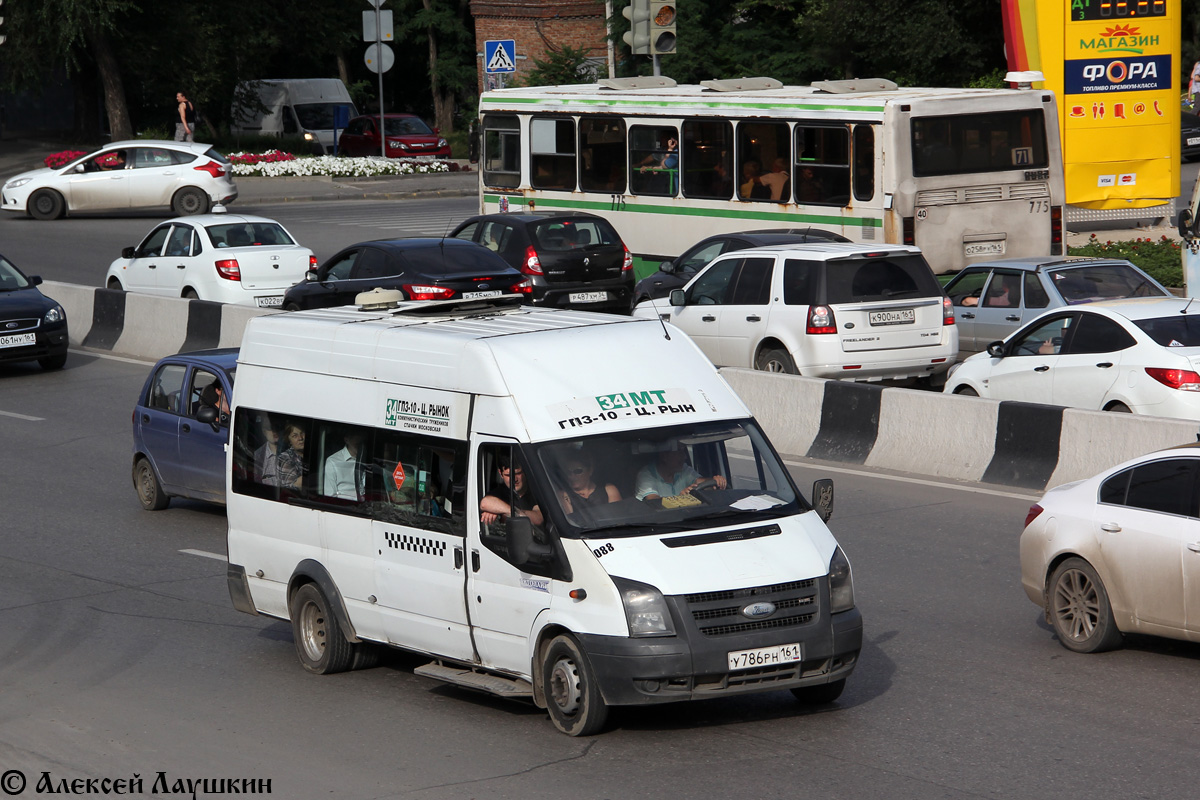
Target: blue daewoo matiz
181, 426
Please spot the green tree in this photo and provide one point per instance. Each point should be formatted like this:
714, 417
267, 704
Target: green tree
561, 66
448, 30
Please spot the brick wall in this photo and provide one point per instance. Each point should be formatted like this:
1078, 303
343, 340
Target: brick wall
537, 24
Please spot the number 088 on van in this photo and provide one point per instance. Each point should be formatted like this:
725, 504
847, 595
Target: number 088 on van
487, 486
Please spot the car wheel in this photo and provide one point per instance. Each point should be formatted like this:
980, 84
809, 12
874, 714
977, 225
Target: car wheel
1079, 608
114, 284
1119, 408
820, 695
149, 490
773, 359
53, 362
46, 204
189, 201
966, 391
320, 644
190, 294
572, 697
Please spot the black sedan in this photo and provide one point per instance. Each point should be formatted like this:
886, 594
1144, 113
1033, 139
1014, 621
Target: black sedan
32, 326
422, 269
572, 259
1189, 136
676, 273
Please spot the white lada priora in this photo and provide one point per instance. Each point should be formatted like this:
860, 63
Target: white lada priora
227, 258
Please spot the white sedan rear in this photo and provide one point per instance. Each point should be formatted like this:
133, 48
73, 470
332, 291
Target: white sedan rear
225, 258
1119, 552
1138, 355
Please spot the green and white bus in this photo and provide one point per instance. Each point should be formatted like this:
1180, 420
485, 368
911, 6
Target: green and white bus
964, 174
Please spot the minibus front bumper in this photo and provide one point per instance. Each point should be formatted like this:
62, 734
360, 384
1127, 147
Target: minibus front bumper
693, 664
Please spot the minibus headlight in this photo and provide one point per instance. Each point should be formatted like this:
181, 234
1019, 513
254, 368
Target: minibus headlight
645, 609
841, 583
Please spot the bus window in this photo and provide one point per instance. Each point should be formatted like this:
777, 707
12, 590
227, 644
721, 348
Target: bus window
970, 143
823, 165
552, 153
501, 151
654, 162
764, 156
864, 162
708, 153
602, 154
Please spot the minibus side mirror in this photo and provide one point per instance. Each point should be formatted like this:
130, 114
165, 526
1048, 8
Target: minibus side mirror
677, 297
521, 547
822, 498
128, 252
996, 349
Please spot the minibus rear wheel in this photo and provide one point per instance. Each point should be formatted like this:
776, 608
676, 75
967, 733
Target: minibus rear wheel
572, 696
320, 645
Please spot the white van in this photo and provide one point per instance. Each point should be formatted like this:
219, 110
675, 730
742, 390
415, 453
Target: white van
567, 507
300, 107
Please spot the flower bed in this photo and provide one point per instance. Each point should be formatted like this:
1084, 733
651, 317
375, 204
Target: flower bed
274, 164
1161, 260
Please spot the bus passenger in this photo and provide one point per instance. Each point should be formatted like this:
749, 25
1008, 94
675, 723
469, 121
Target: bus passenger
511, 496
581, 490
776, 180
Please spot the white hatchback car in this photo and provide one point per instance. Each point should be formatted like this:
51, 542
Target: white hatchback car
1119, 552
227, 258
187, 177
826, 310
1140, 355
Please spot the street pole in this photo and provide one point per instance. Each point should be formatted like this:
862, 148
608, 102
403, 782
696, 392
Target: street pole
379, 50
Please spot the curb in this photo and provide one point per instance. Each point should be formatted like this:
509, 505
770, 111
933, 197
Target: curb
409, 195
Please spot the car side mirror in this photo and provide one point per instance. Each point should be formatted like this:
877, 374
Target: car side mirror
667, 267
35, 280
311, 276
996, 349
521, 547
678, 298
209, 416
822, 497
129, 252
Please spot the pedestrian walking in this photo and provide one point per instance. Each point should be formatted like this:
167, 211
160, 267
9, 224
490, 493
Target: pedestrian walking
185, 128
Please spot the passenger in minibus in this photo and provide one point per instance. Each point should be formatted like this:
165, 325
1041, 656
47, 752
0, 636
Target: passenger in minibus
290, 465
344, 473
511, 495
582, 491
266, 456
669, 475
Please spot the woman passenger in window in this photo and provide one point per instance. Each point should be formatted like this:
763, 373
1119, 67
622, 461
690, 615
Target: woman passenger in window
581, 490
290, 464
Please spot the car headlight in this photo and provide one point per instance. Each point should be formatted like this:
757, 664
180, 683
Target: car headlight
841, 583
645, 609
395, 144
308, 137
18, 182
441, 142
55, 314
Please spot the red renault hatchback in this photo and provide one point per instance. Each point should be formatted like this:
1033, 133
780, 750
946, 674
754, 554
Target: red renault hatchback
407, 137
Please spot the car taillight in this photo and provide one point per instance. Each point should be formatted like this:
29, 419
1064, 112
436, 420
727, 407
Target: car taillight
312, 262
531, 265
229, 270
1034, 510
1182, 379
820, 320
1056, 231
418, 291
212, 168
627, 264
947, 311
524, 287
910, 231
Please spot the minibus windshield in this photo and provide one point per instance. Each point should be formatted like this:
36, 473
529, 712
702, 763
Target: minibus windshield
658, 480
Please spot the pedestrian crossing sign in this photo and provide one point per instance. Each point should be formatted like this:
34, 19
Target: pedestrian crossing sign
500, 55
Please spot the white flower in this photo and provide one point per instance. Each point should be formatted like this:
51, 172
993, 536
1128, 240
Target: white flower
305, 166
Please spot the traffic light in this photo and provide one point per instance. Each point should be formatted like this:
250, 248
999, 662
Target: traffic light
2, 38
638, 38
662, 28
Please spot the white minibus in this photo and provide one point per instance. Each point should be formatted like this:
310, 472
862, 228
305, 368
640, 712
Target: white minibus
567, 507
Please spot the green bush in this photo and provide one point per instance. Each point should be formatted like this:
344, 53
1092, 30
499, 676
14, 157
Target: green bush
1161, 260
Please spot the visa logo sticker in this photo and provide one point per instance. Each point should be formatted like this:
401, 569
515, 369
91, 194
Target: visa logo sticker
1106, 180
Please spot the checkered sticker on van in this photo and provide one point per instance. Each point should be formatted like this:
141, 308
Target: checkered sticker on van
415, 544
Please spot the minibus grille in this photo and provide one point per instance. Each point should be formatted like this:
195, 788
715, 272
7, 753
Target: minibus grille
719, 613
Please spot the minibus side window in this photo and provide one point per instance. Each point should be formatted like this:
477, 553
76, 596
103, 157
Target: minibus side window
505, 489
418, 481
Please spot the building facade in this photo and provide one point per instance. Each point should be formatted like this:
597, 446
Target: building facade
538, 27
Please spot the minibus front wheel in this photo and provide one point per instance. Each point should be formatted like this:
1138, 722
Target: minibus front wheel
320, 644
572, 696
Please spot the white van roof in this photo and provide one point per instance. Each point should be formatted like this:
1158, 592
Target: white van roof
557, 365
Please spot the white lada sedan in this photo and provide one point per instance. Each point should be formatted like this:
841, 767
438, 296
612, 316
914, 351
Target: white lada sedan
226, 258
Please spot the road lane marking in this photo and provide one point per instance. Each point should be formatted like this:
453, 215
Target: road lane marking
21, 416
205, 554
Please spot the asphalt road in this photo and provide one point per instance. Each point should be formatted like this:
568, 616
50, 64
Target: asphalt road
120, 654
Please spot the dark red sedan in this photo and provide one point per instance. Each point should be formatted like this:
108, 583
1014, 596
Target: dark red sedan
407, 137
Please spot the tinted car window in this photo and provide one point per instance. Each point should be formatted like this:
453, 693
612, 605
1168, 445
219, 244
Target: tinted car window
406, 126
1113, 489
1102, 281
859, 280
241, 234
180, 157
11, 277
753, 287
712, 286
468, 231
559, 235
695, 260
968, 283
339, 268
1004, 291
437, 260
1167, 487
1096, 334
800, 282
1178, 331
152, 157
153, 244
1044, 340
180, 242
374, 263
1035, 293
